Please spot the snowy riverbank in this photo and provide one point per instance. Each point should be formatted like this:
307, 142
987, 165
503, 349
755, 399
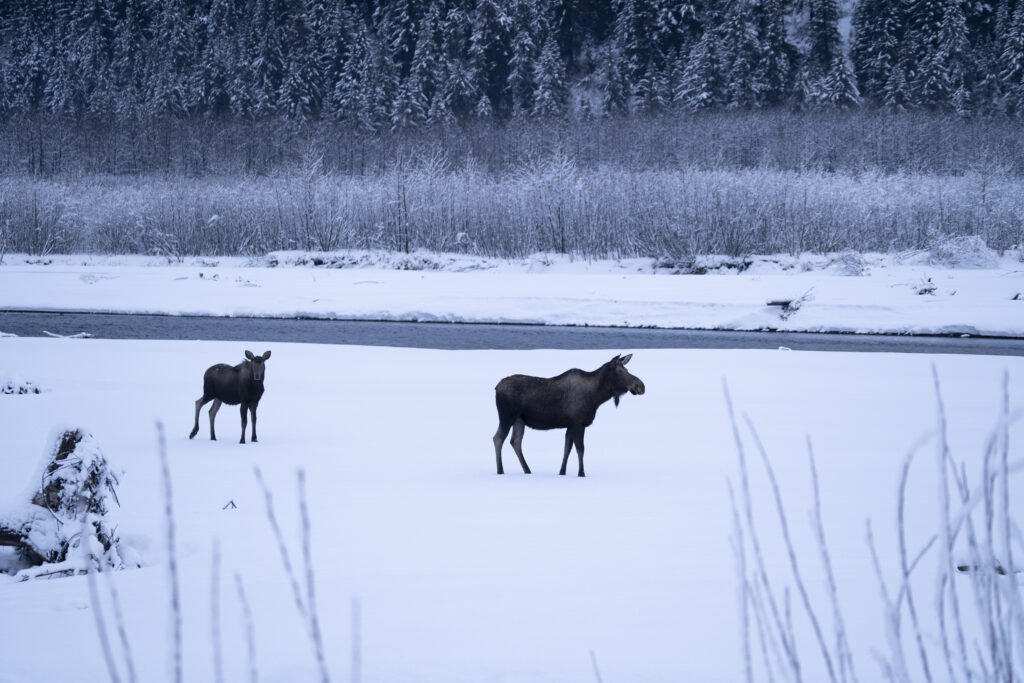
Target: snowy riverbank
967, 292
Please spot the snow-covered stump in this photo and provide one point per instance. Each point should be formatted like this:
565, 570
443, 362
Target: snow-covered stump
76, 494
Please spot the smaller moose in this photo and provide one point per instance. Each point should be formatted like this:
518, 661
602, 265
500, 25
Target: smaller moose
568, 401
234, 385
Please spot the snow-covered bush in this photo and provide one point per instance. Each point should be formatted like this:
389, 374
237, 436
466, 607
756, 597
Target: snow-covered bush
966, 251
849, 263
66, 524
11, 386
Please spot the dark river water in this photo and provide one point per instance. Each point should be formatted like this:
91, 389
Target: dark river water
476, 336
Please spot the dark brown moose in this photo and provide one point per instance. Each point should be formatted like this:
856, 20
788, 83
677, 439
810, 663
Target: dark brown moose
568, 401
234, 385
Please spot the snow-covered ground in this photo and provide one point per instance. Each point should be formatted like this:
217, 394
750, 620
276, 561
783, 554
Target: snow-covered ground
963, 290
461, 575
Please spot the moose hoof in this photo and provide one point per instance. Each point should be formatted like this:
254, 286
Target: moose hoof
193, 434
582, 475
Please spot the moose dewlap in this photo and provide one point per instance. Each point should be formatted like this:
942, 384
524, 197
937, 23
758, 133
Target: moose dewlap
568, 401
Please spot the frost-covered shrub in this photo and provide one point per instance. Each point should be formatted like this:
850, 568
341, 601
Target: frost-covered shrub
10, 386
968, 251
66, 524
850, 263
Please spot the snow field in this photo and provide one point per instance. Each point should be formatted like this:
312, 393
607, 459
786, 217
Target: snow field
462, 575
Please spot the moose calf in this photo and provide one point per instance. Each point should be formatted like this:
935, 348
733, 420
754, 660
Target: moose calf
234, 385
568, 401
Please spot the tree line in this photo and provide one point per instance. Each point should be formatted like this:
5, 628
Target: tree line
400, 63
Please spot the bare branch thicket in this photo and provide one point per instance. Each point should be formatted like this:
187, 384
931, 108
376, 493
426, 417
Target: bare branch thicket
172, 555
250, 630
988, 574
307, 608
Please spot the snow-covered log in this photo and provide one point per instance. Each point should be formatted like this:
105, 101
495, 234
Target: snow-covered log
76, 494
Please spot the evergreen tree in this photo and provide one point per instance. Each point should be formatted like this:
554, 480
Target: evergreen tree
489, 51
875, 48
1012, 74
26, 56
299, 95
82, 80
938, 44
701, 86
742, 59
839, 86
777, 53
823, 40
169, 54
131, 37
552, 94
213, 73
525, 52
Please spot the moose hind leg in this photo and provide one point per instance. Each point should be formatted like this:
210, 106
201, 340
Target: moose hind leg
200, 402
213, 415
578, 439
568, 450
499, 440
245, 409
517, 443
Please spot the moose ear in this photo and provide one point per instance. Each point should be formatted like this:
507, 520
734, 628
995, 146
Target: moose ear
625, 359
248, 354
266, 355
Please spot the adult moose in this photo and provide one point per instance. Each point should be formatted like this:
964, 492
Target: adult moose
234, 385
568, 401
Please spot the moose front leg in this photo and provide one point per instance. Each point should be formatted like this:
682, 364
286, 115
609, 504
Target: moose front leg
245, 409
252, 411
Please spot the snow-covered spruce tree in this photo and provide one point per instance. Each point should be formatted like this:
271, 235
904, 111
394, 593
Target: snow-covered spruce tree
268, 58
27, 34
875, 44
336, 40
409, 108
216, 62
937, 43
839, 86
742, 59
169, 60
777, 53
299, 95
489, 49
613, 85
396, 22
525, 51
823, 43
458, 85
702, 86
427, 70
132, 34
1012, 74
81, 80
551, 95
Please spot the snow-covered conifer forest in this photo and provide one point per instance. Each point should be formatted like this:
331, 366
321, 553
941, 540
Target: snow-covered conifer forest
505, 127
